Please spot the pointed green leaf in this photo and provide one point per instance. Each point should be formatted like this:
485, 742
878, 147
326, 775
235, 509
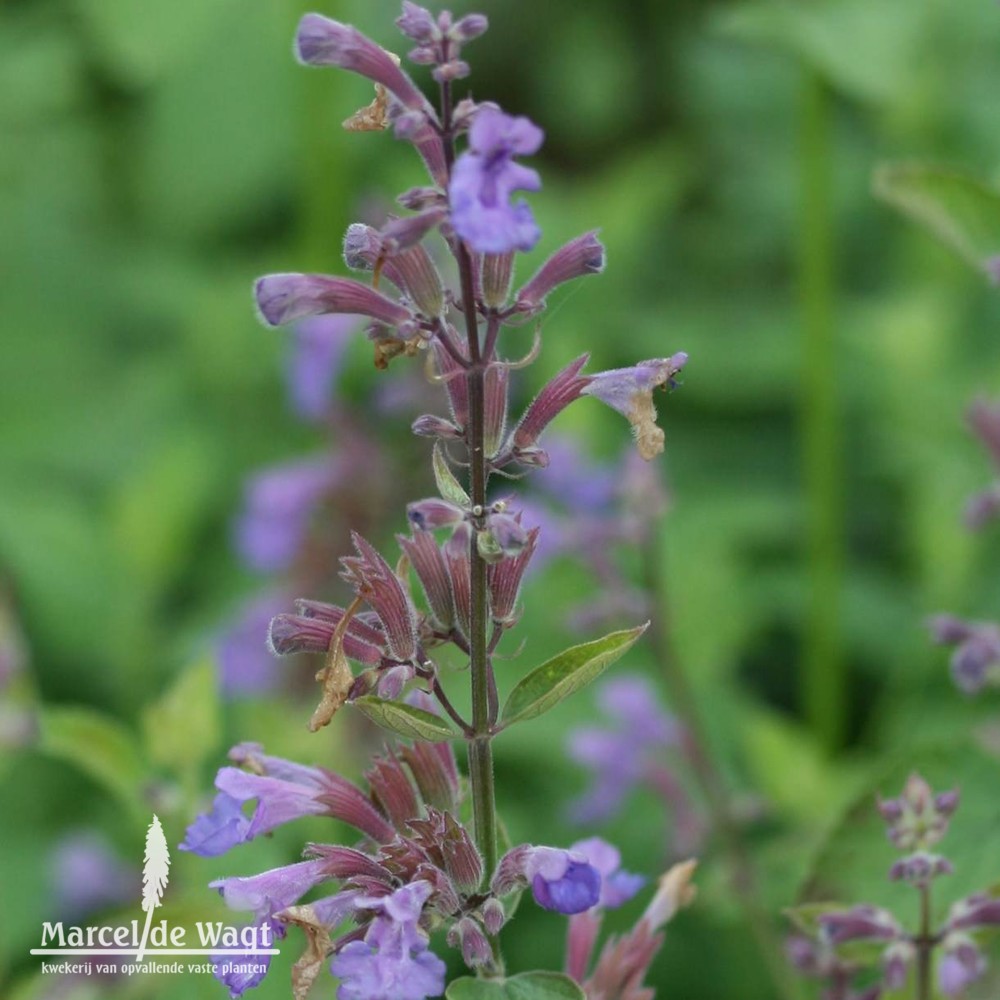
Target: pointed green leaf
98, 745
962, 211
526, 986
405, 720
182, 727
572, 669
448, 486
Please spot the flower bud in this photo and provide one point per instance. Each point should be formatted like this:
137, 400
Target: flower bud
467, 28
579, 257
418, 23
493, 914
426, 515
920, 868
468, 935
495, 274
429, 425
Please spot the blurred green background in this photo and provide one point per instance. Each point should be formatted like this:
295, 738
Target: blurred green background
157, 157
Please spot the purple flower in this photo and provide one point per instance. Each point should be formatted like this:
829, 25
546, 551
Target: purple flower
393, 961
617, 886
245, 664
284, 298
87, 876
485, 176
278, 505
961, 964
217, 831
563, 881
272, 891
317, 347
321, 41
579, 257
625, 754
975, 662
630, 392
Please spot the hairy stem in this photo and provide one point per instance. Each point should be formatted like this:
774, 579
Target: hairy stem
480, 748
823, 681
710, 779
925, 945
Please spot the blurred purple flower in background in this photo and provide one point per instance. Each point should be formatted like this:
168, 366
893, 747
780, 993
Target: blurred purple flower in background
278, 505
88, 876
246, 665
318, 345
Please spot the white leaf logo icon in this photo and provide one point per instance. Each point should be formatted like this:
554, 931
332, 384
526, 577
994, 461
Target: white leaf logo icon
155, 872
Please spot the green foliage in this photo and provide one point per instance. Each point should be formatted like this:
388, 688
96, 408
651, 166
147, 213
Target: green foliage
525, 986
556, 679
960, 210
404, 720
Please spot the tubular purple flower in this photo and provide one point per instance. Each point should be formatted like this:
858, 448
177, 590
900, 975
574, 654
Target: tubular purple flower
392, 790
393, 961
630, 392
566, 386
508, 533
579, 257
562, 880
469, 27
960, 965
468, 935
282, 298
867, 923
267, 893
217, 831
617, 886
321, 41
288, 634
484, 178
418, 23
278, 801
432, 571
87, 875
426, 515
975, 912
373, 578
429, 425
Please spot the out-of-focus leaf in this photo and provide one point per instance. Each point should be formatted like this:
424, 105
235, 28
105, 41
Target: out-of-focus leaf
404, 720
140, 41
563, 675
960, 210
526, 986
789, 769
183, 727
864, 49
99, 746
159, 508
854, 862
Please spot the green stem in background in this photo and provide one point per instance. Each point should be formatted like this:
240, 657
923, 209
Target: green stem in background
925, 945
709, 777
480, 745
823, 691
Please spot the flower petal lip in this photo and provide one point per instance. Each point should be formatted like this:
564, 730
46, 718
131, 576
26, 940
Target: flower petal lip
283, 298
321, 41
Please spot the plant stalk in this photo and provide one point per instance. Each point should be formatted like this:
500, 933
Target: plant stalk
710, 779
480, 667
824, 689
925, 944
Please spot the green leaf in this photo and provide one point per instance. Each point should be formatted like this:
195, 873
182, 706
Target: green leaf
448, 486
558, 678
960, 210
98, 745
525, 986
405, 720
182, 727
853, 863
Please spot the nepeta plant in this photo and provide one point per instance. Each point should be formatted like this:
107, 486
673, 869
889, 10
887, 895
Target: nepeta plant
419, 867
864, 951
